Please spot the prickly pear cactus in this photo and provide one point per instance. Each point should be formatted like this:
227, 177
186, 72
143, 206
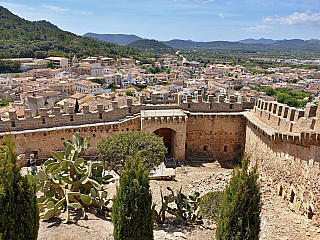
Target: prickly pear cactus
186, 208
68, 181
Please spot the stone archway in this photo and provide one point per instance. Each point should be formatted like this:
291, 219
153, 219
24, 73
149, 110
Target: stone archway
175, 121
167, 134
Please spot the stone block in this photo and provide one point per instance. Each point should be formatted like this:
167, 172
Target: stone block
285, 110
231, 99
210, 98
13, 114
100, 107
177, 98
311, 111
252, 100
258, 103
153, 98
142, 99
189, 98
56, 111
85, 108
279, 110
220, 98
291, 113
129, 101
70, 109
115, 104
298, 114
199, 98
42, 112
274, 108
27, 113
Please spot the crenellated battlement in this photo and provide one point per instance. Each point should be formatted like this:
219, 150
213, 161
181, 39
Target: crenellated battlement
299, 138
116, 113
288, 119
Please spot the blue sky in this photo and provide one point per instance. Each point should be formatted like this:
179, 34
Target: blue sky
199, 20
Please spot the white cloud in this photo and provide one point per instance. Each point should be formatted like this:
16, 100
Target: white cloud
260, 29
57, 9
220, 15
307, 19
267, 20
204, 1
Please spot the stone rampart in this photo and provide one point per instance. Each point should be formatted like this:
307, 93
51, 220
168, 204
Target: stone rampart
285, 140
289, 160
114, 114
287, 119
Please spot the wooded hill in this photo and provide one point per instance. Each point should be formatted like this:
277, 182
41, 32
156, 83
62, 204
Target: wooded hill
23, 38
119, 39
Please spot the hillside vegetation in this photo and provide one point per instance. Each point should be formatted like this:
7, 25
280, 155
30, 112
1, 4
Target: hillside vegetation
22, 38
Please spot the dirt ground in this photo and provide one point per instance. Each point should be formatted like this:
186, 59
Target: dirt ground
278, 222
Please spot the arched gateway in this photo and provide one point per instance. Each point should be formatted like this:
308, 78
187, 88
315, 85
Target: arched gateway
167, 135
169, 124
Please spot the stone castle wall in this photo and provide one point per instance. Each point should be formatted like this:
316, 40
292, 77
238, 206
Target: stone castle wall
43, 134
286, 143
220, 135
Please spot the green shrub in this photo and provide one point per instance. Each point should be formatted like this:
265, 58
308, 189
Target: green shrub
114, 150
239, 216
19, 215
210, 205
132, 215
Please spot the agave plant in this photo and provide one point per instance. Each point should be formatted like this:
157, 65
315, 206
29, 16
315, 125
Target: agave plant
68, 181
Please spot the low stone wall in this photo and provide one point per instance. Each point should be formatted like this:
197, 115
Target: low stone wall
43, 141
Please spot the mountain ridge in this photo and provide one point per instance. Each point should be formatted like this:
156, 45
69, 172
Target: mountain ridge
249, 43
119, 39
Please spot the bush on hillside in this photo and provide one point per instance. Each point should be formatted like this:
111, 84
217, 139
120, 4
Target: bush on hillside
210, 205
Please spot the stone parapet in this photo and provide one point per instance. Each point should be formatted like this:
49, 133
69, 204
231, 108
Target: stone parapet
287, 119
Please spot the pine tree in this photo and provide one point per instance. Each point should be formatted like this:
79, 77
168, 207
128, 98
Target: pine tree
239, 217
19, 215
132, 215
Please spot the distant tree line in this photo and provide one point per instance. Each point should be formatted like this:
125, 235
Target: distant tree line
293, 98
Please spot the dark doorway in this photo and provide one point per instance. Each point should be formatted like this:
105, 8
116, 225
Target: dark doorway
166, 134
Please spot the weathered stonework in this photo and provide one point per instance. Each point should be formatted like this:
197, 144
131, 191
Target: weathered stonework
284, 140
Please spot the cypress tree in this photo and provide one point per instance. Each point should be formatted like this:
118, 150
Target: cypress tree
19, 215
132, 215
239, 217
76, 107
